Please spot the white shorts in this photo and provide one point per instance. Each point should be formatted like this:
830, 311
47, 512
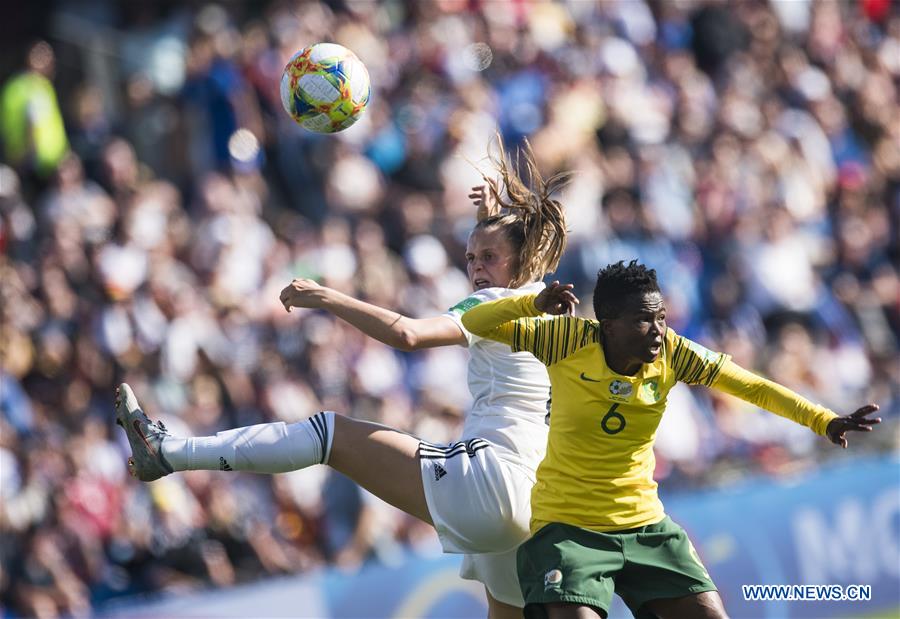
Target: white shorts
480, 506
498, 573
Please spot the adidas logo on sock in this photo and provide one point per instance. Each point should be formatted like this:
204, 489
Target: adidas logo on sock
439, 472
223, 464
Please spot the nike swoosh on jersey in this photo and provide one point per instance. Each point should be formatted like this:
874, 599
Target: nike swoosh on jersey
592, 380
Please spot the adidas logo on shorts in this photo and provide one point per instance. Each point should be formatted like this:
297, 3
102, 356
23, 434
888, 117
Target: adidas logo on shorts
439, 472
223, 464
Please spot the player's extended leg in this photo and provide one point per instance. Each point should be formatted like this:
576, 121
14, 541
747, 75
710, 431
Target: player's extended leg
706, 605
501, 610
382, 460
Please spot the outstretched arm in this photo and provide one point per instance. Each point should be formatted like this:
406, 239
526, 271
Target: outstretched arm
780, 400
496, 320
512, 321
384, 325
499, 320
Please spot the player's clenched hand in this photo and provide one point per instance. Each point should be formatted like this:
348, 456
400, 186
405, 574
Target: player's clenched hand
557, 299
302, 293
854, 422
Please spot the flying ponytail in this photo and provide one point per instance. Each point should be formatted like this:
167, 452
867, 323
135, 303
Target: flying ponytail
535, 222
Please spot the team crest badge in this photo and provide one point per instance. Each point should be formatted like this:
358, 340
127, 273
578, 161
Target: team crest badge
620, 388
650, 389
553, 578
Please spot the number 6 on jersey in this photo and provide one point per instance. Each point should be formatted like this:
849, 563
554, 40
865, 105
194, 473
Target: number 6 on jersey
618, 421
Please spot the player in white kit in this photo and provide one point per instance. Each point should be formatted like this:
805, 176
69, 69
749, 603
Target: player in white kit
475, 492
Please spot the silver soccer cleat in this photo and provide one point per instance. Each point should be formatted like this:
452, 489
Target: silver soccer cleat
145, 437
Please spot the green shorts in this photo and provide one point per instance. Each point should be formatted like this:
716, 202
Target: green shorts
563, 563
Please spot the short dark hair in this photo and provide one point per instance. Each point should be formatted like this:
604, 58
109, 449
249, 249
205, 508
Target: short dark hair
617, 282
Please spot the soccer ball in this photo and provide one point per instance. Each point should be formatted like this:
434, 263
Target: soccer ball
325, 87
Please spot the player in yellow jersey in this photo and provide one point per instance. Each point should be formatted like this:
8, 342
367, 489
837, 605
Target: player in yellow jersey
598, 525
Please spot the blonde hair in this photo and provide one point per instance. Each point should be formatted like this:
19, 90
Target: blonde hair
534, 222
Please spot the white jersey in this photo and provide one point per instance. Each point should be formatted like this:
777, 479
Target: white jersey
510, 390
491, 471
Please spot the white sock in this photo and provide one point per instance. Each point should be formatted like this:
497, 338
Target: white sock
263, 448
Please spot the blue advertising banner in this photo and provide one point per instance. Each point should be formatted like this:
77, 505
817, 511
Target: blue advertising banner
838, 526
820, 535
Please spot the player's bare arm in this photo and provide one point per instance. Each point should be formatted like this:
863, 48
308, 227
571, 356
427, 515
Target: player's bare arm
384, 325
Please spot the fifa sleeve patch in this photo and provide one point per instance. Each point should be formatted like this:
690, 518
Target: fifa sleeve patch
695, 364
465, 305
703, 352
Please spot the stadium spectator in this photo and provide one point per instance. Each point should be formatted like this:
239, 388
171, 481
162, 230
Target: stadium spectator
31, 124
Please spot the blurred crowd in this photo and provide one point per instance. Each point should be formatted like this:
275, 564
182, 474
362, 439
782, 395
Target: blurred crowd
155, 198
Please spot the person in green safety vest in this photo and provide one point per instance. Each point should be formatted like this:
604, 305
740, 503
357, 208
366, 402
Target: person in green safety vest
31, 125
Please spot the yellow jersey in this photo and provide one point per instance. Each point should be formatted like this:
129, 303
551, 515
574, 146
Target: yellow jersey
598, 471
